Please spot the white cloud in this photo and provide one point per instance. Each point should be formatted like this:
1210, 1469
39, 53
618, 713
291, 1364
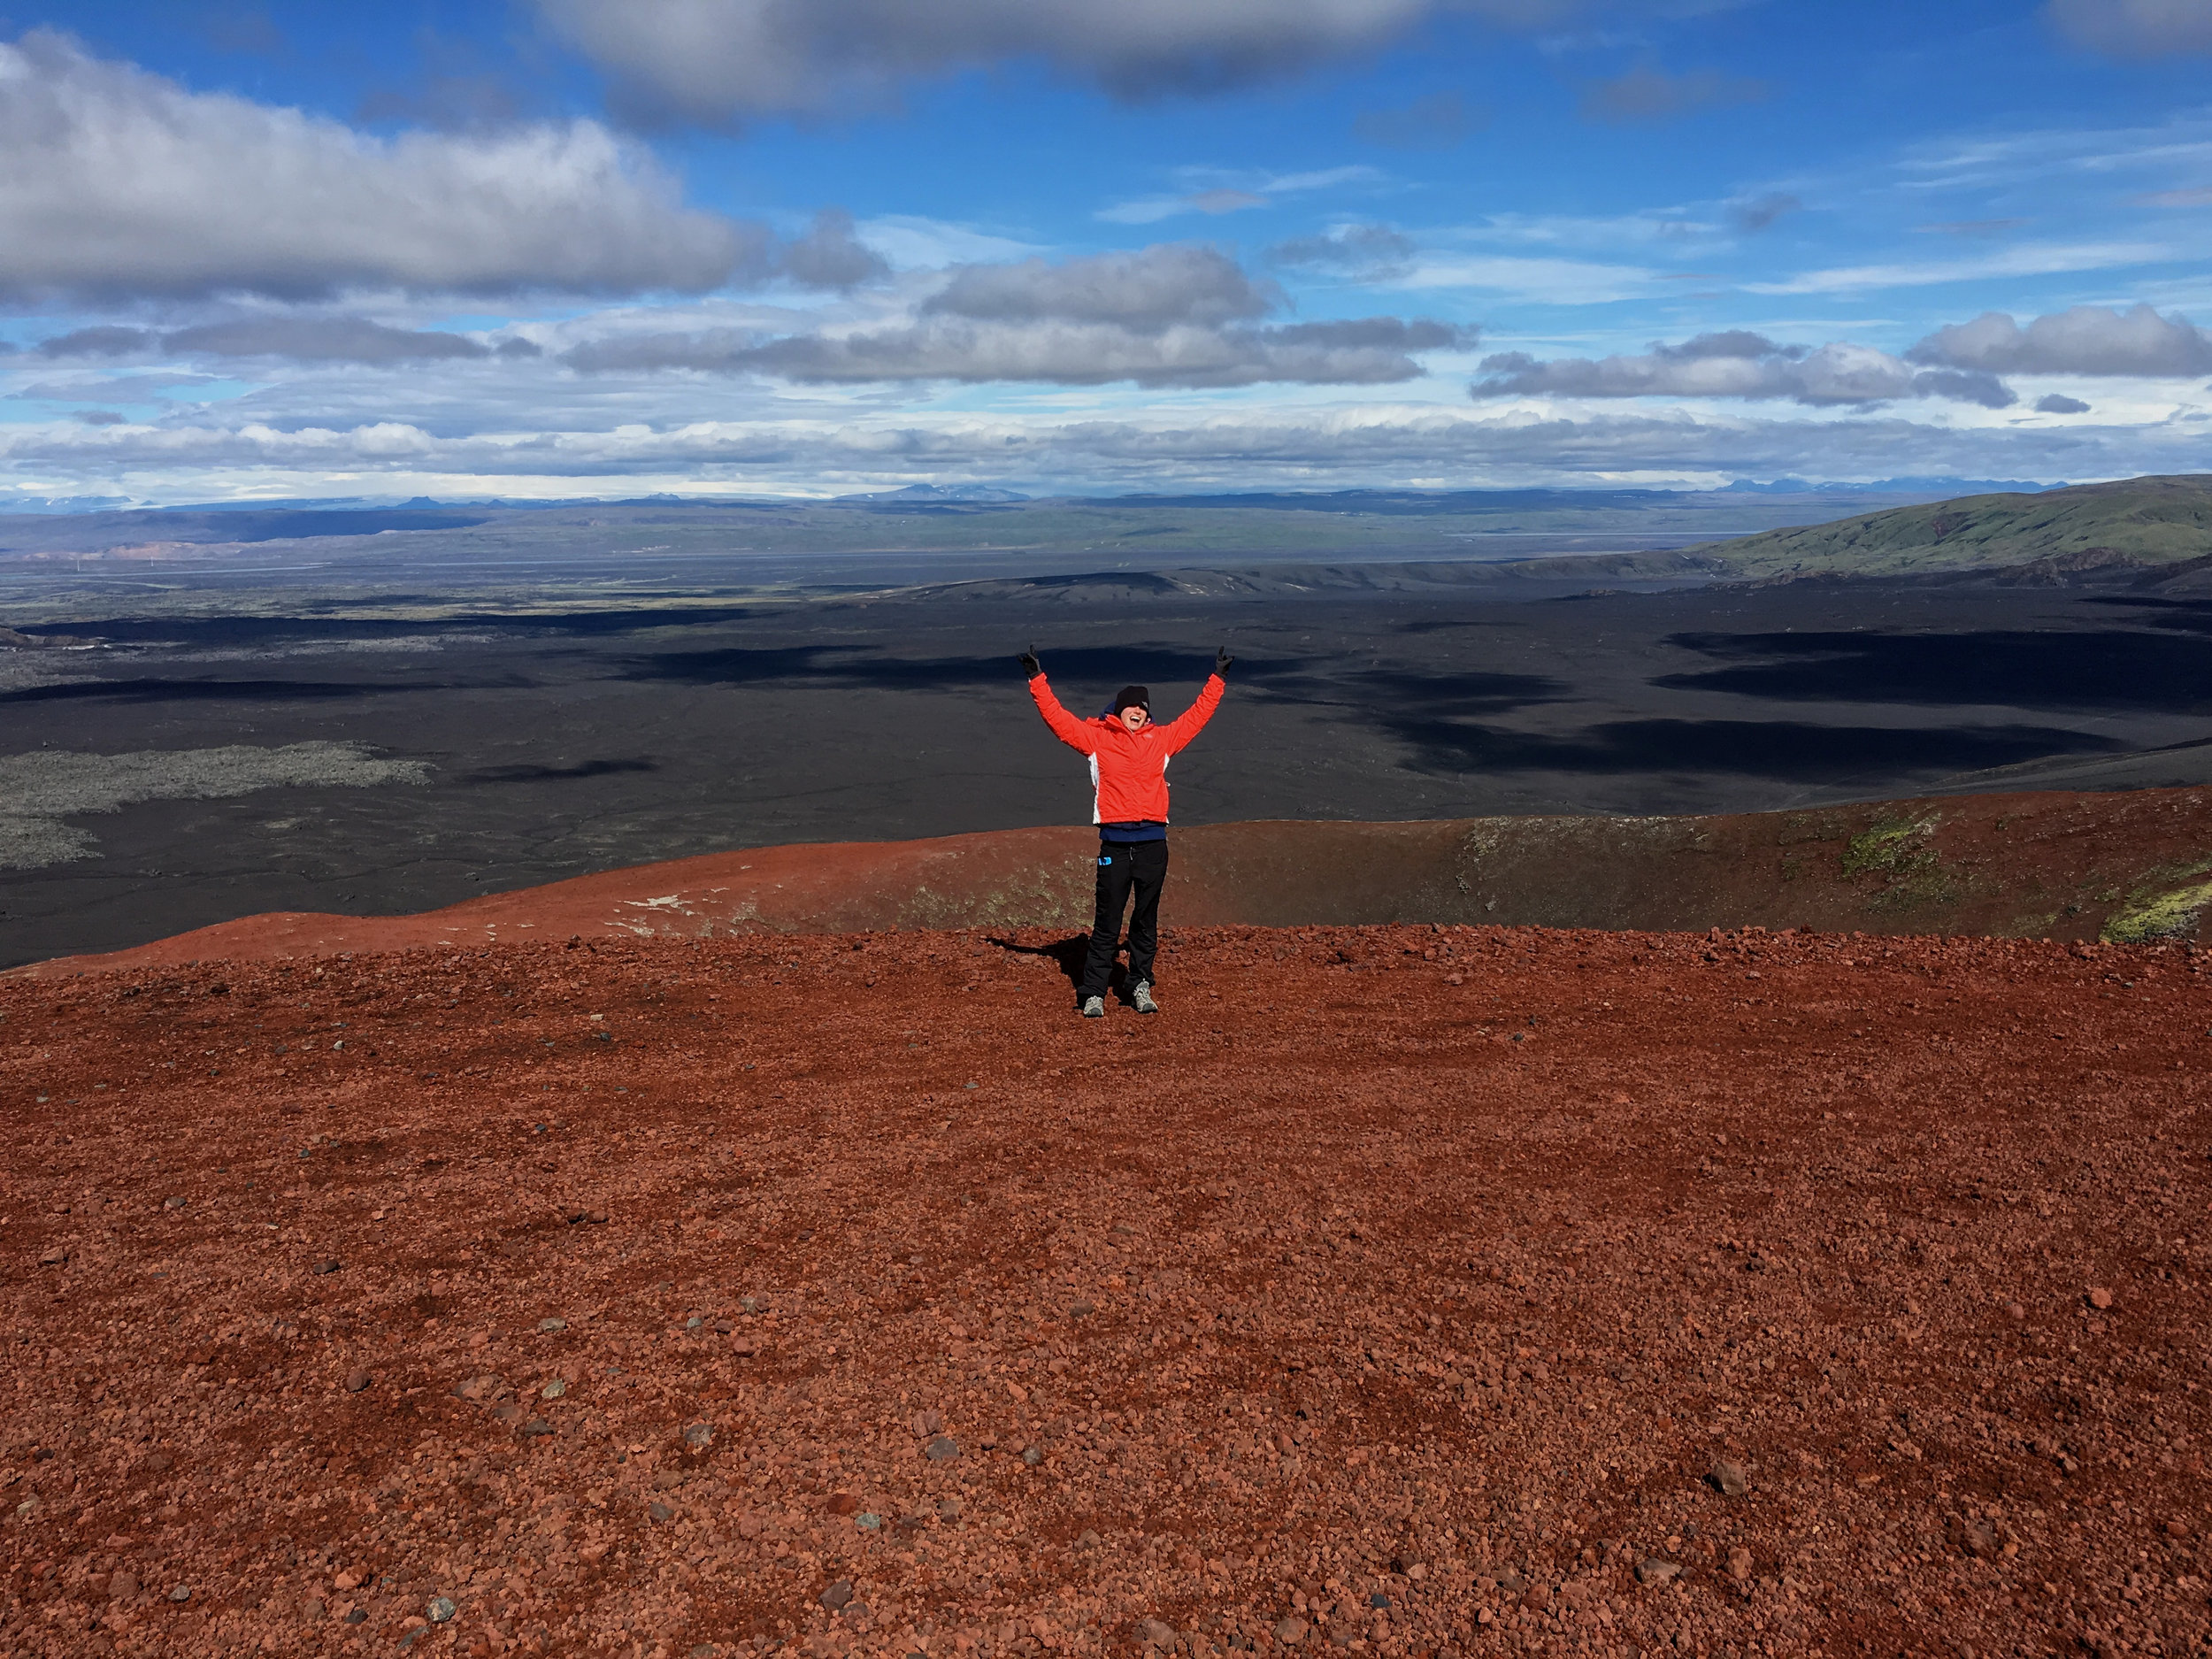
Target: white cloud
120, 183
2136, 28
2028, 259
911, 240
2087, 340
1150, 210
1543, 281
1368, 252
1325, 449
718, 61
1207, 190
1739, 363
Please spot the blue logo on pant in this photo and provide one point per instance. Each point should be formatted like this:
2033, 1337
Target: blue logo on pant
1105, 861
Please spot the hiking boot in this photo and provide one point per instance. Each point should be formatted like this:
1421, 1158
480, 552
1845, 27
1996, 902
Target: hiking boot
1141, 995
1094, 1008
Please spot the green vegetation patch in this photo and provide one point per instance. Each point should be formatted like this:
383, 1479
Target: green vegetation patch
1896, 850
1892, 846
2148, 915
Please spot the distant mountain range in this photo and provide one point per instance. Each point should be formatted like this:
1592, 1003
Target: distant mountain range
941, 492
1894, 487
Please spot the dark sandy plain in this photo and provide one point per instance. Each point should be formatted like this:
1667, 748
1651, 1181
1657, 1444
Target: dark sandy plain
1397, 1291
435, 752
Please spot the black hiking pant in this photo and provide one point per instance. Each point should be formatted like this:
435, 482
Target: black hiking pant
1137, 866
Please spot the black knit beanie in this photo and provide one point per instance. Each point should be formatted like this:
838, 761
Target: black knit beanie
1140, 696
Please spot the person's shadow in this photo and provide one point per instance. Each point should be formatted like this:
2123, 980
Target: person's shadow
1069, 954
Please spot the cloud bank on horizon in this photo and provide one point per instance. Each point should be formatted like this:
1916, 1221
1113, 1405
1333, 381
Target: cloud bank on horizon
762, 246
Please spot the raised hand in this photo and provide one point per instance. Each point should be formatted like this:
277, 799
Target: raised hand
1030, 667
1222, 659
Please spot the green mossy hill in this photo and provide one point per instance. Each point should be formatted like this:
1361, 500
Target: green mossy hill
2143, 521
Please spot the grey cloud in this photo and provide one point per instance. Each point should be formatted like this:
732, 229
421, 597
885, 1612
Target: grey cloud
719, 61
2087, 340
1152, 288
2059, 403
2135, 28
1366, 351
106, 341
101, 418
299, 339
1435, 122
1170, 315
829, 256
712, 350
1371, 250
320, 340
1759, 212
121, 183
1650, 93
1739, 363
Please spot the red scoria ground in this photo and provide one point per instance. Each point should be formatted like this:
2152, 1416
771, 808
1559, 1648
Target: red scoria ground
1414, 1291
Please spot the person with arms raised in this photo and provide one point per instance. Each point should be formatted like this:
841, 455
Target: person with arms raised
1129, 756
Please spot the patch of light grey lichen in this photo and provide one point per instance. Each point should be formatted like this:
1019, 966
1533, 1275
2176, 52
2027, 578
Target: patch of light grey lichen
39, 789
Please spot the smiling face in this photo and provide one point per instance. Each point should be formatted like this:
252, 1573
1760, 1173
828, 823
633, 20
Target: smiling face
1135, 719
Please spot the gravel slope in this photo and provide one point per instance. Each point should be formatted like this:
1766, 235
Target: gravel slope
1414, 1290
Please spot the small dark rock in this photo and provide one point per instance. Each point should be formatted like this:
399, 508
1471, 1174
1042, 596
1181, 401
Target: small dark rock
943, 1449
660, 1512
1728, 1478
326, 1267
357, 1380
183, 1593
1978, 1538
838, 1594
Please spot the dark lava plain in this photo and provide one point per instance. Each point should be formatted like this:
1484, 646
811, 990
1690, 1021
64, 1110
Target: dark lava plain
592, 738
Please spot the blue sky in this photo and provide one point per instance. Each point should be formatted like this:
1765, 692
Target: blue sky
737, 247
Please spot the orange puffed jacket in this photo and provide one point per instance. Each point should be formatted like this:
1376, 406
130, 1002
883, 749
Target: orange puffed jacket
1128, 769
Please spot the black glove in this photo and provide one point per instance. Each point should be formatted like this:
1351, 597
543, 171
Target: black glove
1222, 659
1030, 667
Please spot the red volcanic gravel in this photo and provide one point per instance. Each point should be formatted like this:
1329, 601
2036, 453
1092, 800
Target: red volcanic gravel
1414, 1291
